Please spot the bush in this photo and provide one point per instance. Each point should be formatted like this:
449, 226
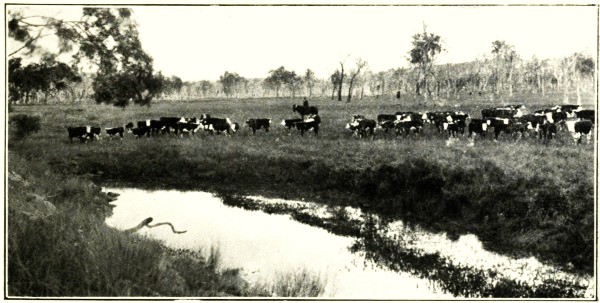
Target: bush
25, 125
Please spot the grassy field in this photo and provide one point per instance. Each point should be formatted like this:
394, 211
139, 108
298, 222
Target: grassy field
527, 197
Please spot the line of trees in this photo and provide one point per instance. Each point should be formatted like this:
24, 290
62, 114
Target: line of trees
110, 66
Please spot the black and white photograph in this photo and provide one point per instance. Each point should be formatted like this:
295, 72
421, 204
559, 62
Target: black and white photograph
301, 151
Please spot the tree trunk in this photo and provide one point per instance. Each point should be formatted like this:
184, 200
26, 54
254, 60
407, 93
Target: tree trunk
340, 84
350, 90
578, 85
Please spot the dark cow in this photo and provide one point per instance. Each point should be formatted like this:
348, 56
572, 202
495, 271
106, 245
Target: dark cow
569, 108
579, 129
586, 114
304, 110
95, 133
80, 132
405, 126
170, 123
256, 124
219, 125
362, 126
144, 123
289, 123
312, 122
455, 127
477, 126
187, 128
508, 126
115, 131
140, 131
548, 131
533, 121
386, 121
499, 112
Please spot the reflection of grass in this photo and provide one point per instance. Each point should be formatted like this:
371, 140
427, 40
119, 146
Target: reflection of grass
300, 283
392, 253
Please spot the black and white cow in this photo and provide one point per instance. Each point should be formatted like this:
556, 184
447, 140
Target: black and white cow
82, 132
580, 129
548, 130
289, 123
140, 131
310, 123
386, 121
361, 126
115, 131
170, 123
477, 127
499, 112
407, 125
256, 124
219, 125
507, 126
586, 114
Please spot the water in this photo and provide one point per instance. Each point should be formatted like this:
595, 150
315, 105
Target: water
262, 245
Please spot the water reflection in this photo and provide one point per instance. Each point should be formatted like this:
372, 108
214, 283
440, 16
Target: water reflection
264, 245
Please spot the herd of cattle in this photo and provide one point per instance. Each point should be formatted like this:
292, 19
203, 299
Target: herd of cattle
511, 120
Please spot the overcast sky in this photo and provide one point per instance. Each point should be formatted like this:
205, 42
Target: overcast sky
202, 42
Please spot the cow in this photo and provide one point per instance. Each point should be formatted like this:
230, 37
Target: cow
499, 112
312, 122
80, 132
506, 125
305, 110
455, 127
533, 121
586, 114
477, 126
187, 128
170, 123
289, 123
386, 121
115, 131
95, 133
144, 123
256, 124
578, 129
140, 131
362, 126
220, 125
548, 130
405, 126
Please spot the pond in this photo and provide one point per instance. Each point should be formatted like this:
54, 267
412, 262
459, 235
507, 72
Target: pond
267, 246
262, 245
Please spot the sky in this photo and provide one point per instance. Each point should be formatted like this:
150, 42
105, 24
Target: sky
202, 42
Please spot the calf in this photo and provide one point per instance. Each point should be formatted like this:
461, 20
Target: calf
362, 127
256, 124
578, 129
114, 131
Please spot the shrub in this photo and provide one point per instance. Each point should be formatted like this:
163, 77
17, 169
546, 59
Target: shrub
25, 125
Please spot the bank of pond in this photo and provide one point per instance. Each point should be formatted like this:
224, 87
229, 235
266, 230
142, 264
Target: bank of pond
344, 252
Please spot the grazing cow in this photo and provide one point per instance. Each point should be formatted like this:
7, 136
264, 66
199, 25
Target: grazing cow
508, 126
362, 126
548, 131
220, 125
499, 112
78, 132
304, 110
289, 123
386, 121
312, 122
140, 131
405, 126
256, 124
170, 123
114, 131
586, 114
477, 126
578, 129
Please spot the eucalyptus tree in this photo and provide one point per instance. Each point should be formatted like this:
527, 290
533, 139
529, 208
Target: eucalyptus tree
506, 58
310, 81
352, 77
426, 46
230, 83
106, 39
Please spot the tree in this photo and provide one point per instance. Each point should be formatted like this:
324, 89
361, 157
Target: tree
506, 58
276, 79
336, 79
205, 87
230, 83
340, 79
106, 38
425, 48
360, 64
584, 69
293, 82
310, 80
